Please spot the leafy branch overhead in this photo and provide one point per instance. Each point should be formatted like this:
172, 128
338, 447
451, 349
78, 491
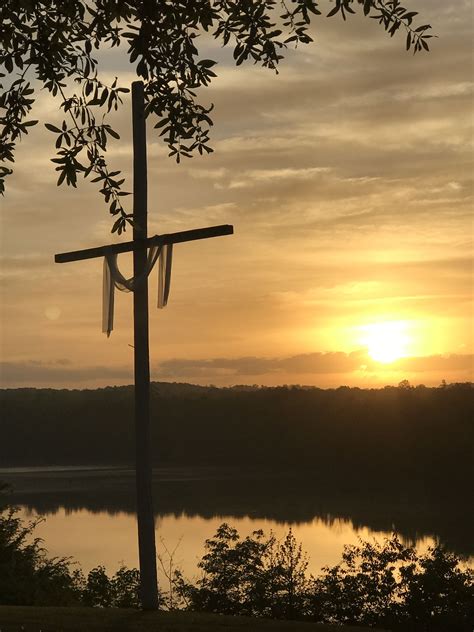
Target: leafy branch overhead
50, 44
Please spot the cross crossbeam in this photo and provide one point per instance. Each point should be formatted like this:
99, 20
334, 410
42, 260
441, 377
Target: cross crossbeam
156, 240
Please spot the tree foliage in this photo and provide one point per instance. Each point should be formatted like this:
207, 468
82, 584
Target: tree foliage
28, 576
394, 438
376, 584
390, 584
118, 591
51, 45
254, 576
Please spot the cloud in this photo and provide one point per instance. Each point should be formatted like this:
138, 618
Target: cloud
349, 181
275, 176
448, 363
308, 364
253, 366
61, 371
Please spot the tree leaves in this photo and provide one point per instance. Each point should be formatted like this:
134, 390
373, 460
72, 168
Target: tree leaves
52, 128
378, 584
393, 16
55, 42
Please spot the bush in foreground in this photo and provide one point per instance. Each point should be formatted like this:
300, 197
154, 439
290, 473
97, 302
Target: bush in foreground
29, 577
376, 584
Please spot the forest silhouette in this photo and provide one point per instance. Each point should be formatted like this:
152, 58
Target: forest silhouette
392, 457
402, 437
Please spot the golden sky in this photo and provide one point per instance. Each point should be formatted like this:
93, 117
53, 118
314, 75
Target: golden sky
348, 179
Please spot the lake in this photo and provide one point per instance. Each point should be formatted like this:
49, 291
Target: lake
89, 513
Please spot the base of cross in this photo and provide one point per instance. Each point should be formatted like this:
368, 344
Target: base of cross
137, 244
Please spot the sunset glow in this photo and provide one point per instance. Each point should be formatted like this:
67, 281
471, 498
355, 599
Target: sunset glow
386, 341
350, 192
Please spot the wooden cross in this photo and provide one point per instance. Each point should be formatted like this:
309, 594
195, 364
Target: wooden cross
139, 245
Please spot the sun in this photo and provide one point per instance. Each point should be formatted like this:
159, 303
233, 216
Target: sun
386, 341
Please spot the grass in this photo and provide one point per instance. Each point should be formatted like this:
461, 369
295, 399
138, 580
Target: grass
34, 619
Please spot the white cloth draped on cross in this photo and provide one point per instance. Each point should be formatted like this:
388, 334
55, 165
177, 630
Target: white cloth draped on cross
113, 278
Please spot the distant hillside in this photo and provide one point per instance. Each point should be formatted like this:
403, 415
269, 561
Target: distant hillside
390, 436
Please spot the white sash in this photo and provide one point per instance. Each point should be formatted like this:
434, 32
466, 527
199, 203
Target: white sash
113, 278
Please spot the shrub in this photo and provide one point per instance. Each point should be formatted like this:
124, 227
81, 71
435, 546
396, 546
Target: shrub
388, 584
119, 591
27, 575
255, 576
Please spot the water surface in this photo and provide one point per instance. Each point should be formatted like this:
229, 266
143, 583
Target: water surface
89, 513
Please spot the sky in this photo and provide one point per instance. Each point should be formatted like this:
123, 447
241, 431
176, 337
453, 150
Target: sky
348, 179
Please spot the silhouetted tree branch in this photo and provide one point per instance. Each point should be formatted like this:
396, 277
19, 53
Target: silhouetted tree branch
51, 44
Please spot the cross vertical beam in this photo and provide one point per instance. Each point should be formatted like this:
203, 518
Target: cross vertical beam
143, 464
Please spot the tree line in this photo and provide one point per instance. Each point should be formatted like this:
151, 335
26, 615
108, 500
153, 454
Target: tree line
394, 436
